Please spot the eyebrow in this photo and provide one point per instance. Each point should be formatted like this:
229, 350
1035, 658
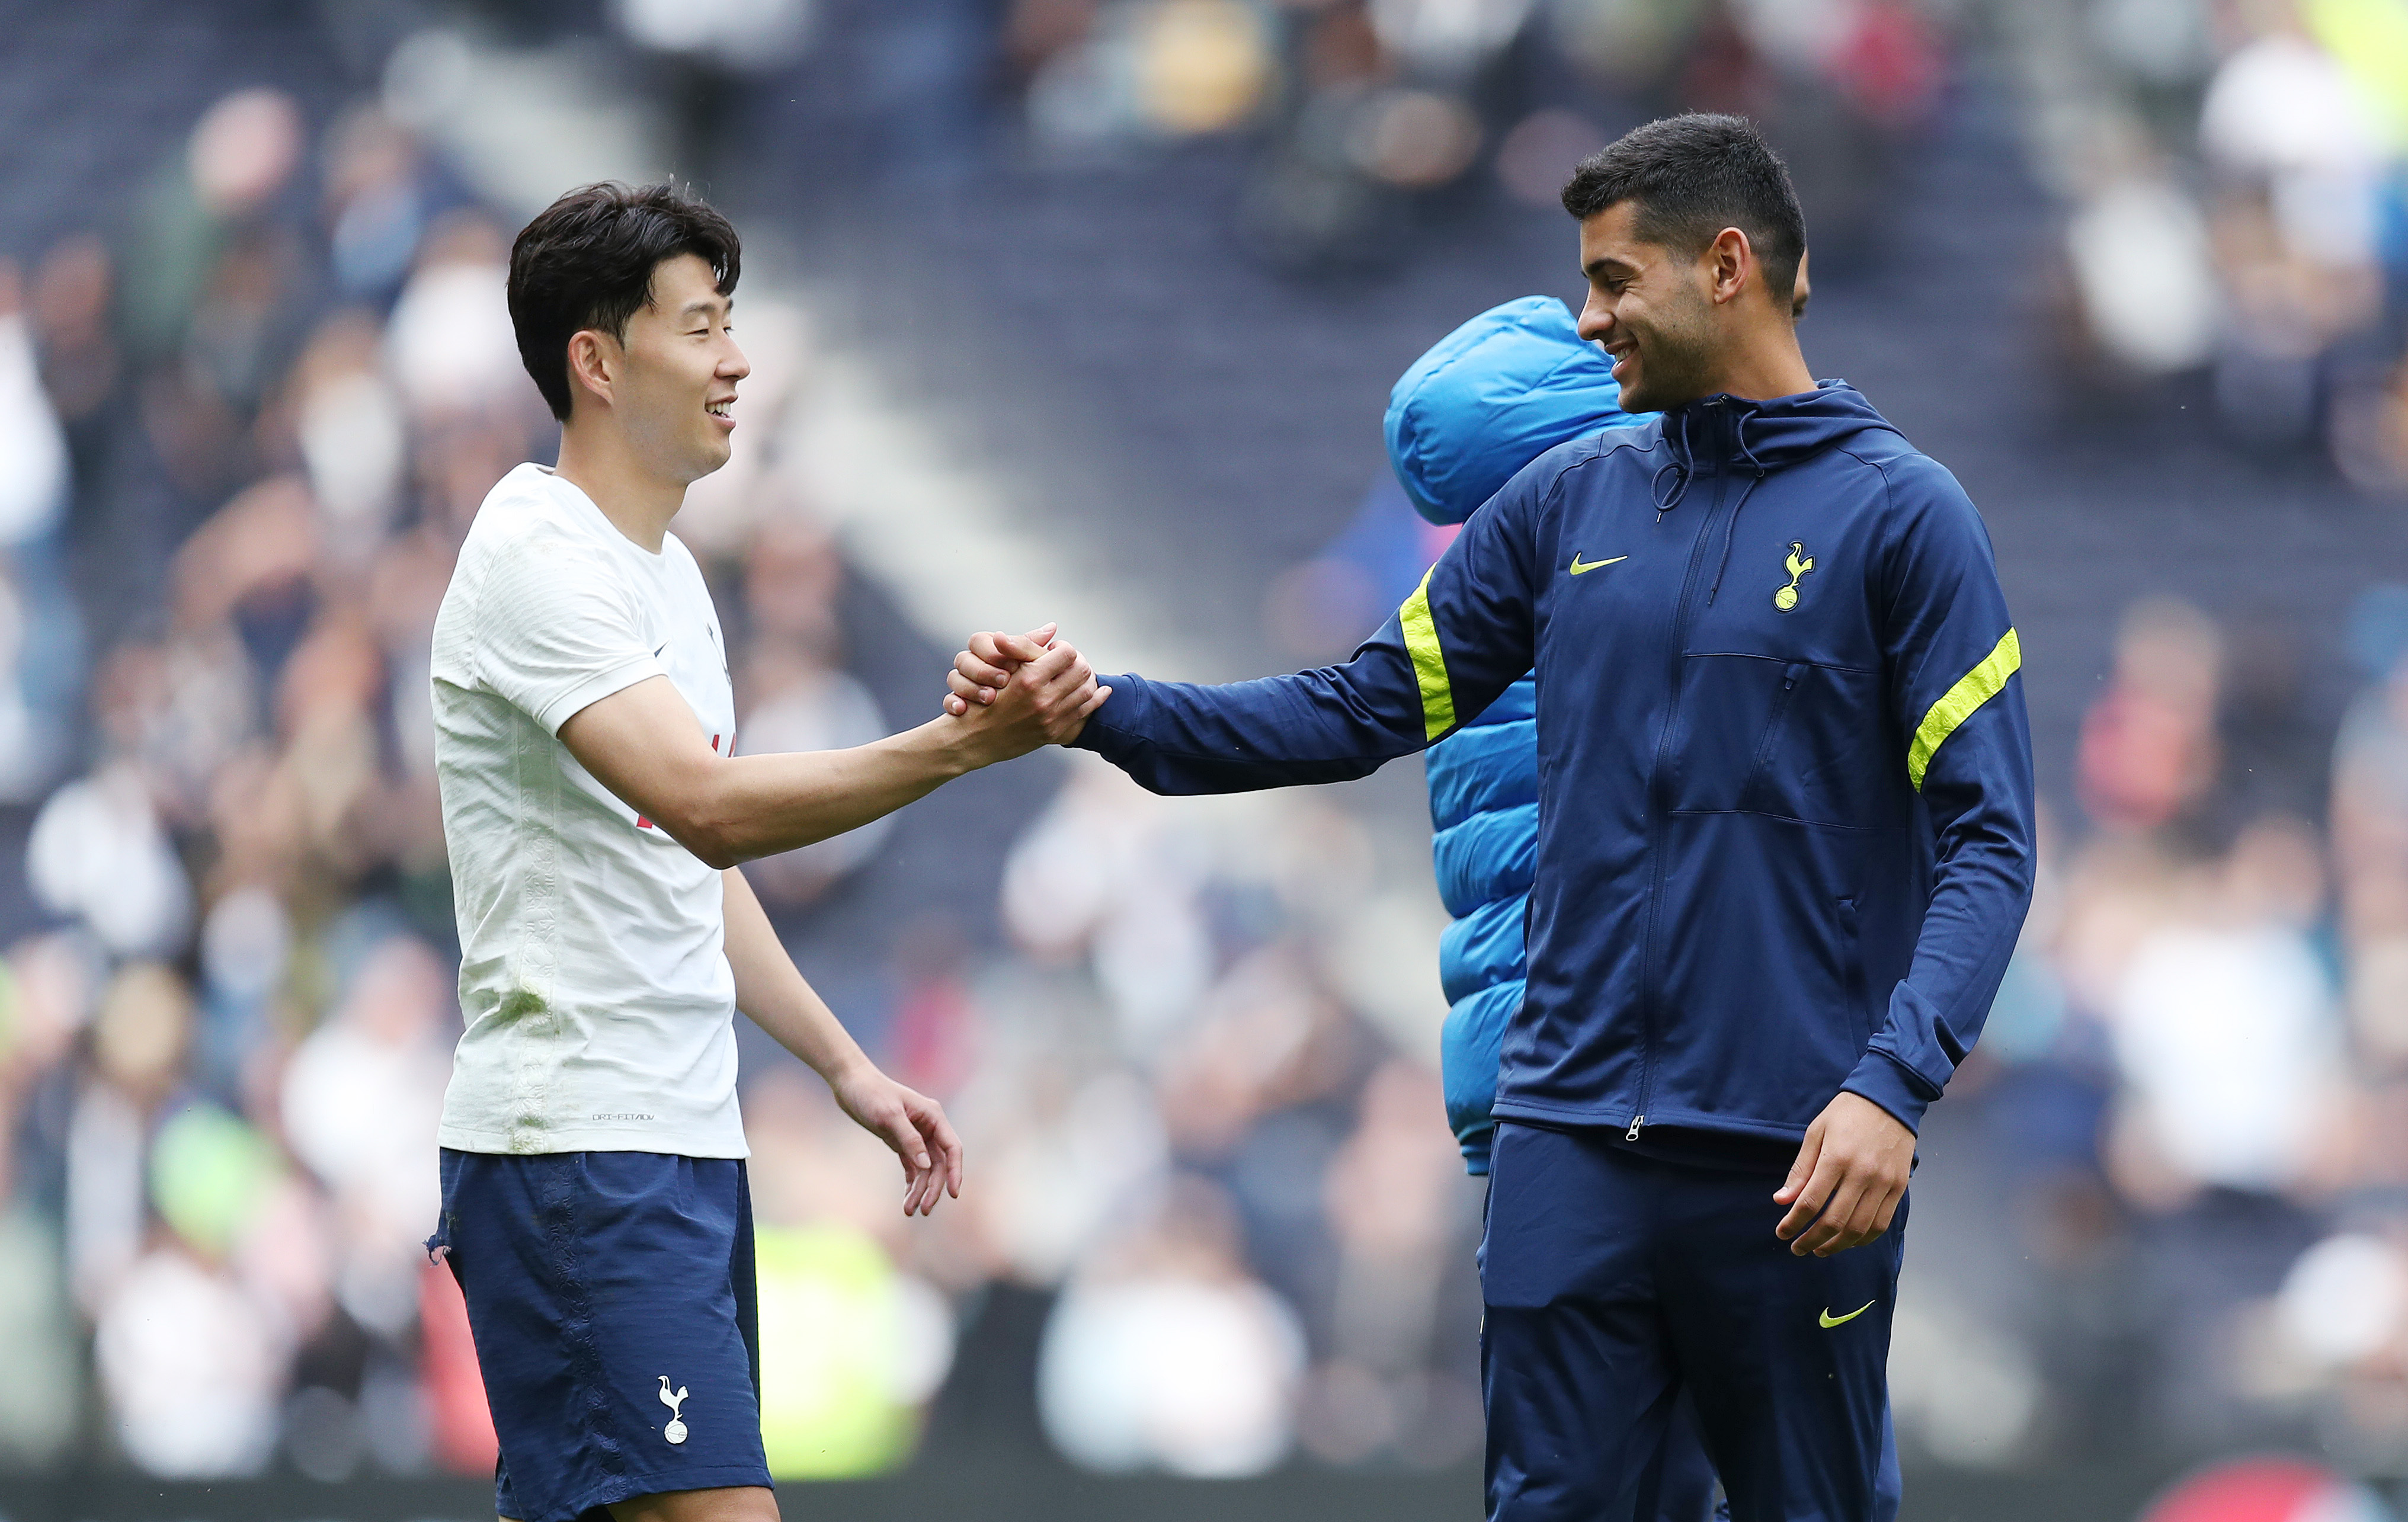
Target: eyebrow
1592, 268
697, 308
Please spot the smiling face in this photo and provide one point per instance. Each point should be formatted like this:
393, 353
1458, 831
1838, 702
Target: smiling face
1652, 309
672, 387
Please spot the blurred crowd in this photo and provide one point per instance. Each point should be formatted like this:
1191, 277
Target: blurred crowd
2176, 1216
2235, 174
1367, 108
2230, 177
1359, 117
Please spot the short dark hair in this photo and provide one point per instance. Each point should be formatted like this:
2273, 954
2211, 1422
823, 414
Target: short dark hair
587, 261
1693, 176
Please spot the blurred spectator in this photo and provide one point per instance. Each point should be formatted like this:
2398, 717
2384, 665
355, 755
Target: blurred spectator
97, 853
2300, 158
2266, 1490
2148, 743
358, 1099
1164, 1353
33, 479
191, 1368
448, 339
2225, 1031
1400, 1206
380, 193
72, 293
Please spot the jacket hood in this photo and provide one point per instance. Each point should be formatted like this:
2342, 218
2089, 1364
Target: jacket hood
1490, 397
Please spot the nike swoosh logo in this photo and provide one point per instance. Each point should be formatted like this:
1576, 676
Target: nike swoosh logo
1829, 1321
665, 644
1579, 567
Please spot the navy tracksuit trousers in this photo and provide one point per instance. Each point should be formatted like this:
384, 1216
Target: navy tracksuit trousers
1616, 1282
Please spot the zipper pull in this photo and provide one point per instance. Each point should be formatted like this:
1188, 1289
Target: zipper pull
1632, 1134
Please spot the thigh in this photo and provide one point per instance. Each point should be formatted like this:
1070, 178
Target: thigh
604, 1304
1785, 1357
748, 1503
1573, 1367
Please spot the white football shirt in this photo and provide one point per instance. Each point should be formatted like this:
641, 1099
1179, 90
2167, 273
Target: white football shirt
592, 976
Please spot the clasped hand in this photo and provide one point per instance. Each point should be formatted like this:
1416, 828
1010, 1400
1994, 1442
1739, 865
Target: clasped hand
1035, 690
995, 666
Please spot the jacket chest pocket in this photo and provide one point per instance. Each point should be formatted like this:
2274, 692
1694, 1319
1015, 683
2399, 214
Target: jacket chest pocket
1793, 738
1754, 793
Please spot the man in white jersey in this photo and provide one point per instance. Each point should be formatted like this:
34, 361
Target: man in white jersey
594, 1204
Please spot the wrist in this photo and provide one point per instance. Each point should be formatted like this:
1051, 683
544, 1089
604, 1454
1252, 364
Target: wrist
847, 1069
1880, 1080
955, 747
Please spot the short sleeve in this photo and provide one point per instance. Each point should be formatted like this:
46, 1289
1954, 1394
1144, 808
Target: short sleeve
557, 631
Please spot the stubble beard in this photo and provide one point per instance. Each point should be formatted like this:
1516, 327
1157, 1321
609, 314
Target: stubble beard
1676, 361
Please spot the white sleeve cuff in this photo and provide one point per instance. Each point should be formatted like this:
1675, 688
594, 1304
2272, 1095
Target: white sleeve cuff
593, 690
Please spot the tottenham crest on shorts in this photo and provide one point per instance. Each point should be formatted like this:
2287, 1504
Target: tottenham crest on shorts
675, 1432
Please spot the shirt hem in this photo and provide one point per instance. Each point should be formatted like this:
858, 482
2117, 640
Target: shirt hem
558, 1139
1620, 1118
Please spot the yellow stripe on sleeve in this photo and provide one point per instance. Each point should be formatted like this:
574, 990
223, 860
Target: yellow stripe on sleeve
1973, 689
1429, 661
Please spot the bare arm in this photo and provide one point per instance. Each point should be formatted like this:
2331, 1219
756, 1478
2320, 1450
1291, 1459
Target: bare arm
771, 990
644, 745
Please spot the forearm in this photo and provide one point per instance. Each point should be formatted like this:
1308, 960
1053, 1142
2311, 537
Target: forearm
1326, 725
752, 806
643, 744
1982, 891
771, 990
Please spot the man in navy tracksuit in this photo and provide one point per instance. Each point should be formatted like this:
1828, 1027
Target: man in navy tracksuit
1784, 850
1484, 401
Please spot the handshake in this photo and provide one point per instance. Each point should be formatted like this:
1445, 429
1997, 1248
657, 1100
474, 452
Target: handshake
1012, 693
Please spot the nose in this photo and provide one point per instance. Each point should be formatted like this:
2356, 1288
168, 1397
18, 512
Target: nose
734, 365
1596, 323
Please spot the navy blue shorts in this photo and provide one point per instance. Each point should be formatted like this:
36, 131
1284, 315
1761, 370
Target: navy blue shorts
611, 1295
1615, 1283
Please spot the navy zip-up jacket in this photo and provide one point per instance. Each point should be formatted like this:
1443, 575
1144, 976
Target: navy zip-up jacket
1785, 806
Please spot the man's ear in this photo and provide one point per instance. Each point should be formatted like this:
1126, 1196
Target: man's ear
594, 359
1730, 265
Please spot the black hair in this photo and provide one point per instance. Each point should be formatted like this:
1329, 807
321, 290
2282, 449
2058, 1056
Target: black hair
1693, 176
587, 261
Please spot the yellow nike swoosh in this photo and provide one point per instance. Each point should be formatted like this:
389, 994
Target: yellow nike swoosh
1829, 1321
1595, 565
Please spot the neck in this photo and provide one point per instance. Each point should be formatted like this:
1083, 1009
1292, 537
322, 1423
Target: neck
598, 459
1762, 365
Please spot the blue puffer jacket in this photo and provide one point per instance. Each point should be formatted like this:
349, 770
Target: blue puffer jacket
1487, 400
